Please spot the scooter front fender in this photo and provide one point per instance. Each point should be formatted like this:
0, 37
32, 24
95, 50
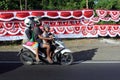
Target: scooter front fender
66, 51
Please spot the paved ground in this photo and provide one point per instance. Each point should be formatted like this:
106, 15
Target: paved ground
96, 49
83, 49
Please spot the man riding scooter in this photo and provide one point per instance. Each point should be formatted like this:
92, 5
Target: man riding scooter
39, 38
29, 37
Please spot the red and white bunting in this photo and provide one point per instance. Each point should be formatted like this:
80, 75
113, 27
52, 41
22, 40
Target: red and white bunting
66, 24
102, 13
114, 15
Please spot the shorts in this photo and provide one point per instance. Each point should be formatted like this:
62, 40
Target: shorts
34, 45
41, 45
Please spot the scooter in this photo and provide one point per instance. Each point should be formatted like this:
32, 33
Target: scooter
61, 54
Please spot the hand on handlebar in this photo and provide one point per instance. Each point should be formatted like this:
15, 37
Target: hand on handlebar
51, 38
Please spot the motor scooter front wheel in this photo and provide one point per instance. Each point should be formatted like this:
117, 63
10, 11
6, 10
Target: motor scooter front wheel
66, 59
26, 58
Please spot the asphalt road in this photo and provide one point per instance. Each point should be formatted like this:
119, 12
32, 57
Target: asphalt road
92, 51
82, 71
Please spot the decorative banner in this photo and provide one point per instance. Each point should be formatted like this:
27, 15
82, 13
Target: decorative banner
65, 24
14, 30
114, 15
102, 13
76, 14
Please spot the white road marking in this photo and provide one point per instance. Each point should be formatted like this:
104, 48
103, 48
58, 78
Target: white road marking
78, 62
96, 62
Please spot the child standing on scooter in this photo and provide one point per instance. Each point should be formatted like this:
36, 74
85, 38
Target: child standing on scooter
46, 33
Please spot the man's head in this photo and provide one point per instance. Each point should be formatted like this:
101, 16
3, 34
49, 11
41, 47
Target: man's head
37, 21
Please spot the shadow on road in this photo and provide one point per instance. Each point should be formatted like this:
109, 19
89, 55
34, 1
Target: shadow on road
84, 55
9, 56
6, 67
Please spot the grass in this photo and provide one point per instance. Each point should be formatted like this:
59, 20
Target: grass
73, 44
10, 45
17, 45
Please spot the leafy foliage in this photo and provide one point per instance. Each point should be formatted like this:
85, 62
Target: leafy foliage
59, 4
107, 4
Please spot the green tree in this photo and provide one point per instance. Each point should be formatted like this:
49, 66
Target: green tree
50, 5
44, 4
4, 5
59, 4
107, 4
117, 5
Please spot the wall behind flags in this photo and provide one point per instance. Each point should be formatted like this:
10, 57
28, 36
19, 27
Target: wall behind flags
64, 23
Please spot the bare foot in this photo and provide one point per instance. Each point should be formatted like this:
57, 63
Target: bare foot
49, 60
37, 59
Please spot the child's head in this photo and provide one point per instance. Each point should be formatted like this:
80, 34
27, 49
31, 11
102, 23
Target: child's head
46, 27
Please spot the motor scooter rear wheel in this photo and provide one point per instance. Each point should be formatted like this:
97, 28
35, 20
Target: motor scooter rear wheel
26, 57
